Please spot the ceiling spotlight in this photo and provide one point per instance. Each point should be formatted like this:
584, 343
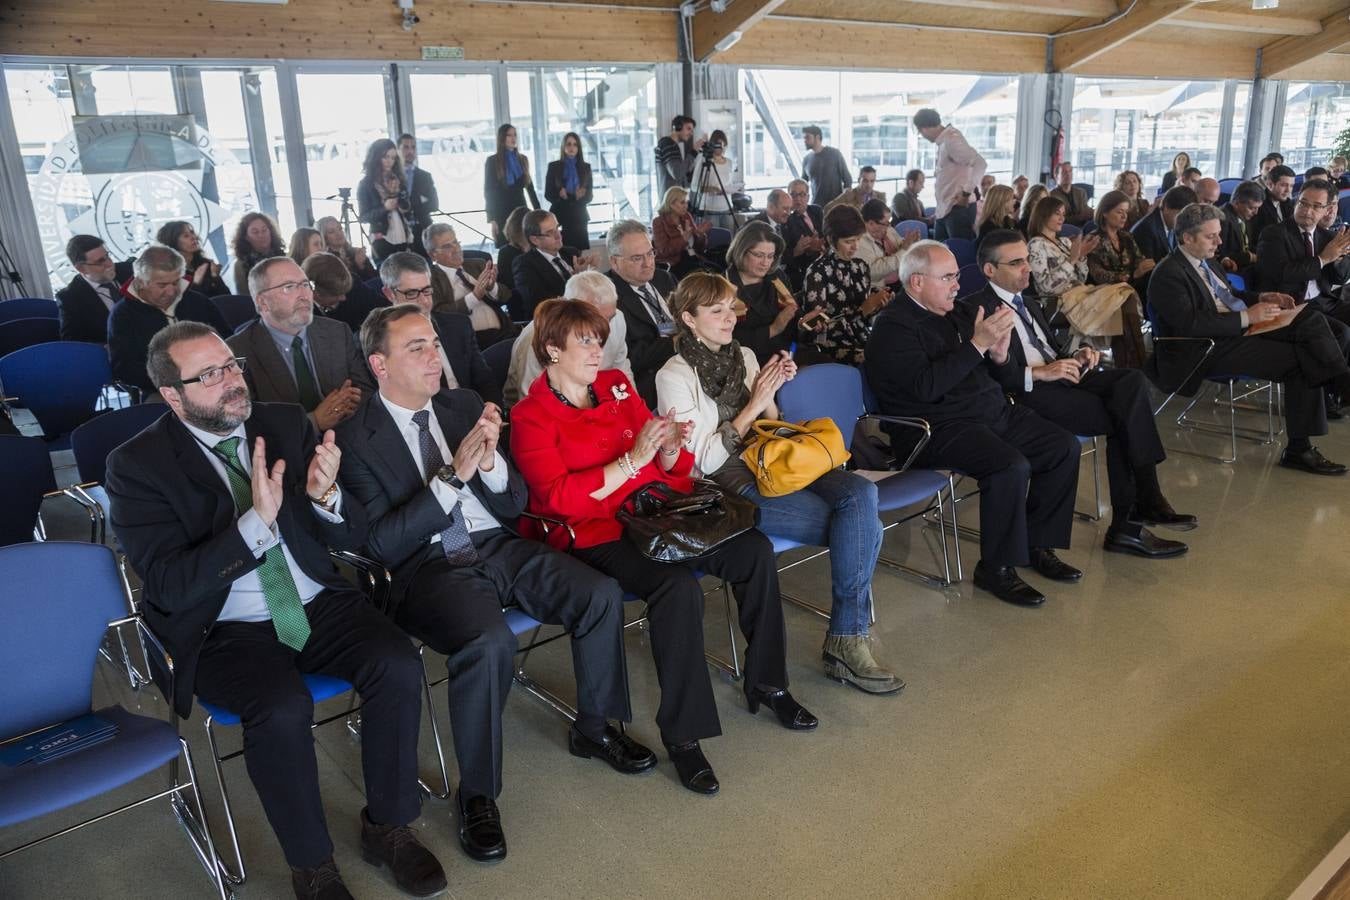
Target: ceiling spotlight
410, 18
1265, 4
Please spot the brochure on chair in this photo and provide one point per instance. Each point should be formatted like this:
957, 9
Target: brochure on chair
57, 741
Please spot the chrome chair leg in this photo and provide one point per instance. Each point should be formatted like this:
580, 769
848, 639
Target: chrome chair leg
444, 792
195, 824
239, 874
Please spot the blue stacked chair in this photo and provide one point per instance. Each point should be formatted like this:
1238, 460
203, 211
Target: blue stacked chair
237, 309
29, 308
16, 334
59, 383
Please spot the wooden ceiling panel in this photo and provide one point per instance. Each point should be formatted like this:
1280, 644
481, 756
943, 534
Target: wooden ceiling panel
1174, 32
1188, 59
1301, 9
921, 14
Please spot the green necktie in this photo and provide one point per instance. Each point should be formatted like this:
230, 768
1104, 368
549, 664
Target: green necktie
283, 600
304, 378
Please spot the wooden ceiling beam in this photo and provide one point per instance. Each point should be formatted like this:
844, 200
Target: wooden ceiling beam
1290, 51
1091, 9
1228, 21
711, 27
1075, 49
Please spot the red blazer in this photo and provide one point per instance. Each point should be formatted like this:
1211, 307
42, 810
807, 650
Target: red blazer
669, 244
562, 451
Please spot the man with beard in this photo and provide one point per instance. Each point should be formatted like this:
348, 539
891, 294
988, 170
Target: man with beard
226, 510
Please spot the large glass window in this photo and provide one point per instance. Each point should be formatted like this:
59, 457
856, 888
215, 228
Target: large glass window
455, 123
1314, 113
342, 114
1142, 124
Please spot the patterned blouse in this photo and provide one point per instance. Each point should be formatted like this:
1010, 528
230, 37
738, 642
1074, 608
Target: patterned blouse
1107, 265
1051, 270
839, 286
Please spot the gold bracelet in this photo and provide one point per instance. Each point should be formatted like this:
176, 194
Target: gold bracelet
327, 499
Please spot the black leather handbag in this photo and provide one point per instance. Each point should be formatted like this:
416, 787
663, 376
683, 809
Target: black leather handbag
668, 526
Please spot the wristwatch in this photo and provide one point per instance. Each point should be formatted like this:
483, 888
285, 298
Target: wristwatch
447, 474
326, 501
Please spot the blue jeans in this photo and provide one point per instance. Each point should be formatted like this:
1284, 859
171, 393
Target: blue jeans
838, 510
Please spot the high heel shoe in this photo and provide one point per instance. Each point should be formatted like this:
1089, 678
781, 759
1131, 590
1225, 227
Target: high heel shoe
791, 714
693, 768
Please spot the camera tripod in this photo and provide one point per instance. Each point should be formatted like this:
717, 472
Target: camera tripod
9, 271
700, 191
347, 217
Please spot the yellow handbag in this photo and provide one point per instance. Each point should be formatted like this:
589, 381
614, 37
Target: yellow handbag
786, 457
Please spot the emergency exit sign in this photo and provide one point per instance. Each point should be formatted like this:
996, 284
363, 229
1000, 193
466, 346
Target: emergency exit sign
442, 52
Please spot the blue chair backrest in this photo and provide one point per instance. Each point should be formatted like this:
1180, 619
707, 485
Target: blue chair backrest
828, 390
1228, 185
375, 284
1343, 207
718, 238
236, 309
26, 464
908, 225
963, 249
59, 383
29, 308
930, 211
1086, 188
94, 440
482, 255
58, 600
1237, 282
498, 359
972, 280
19, 333
1069, 231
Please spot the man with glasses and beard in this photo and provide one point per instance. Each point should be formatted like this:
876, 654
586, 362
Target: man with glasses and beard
294, 357
226, 510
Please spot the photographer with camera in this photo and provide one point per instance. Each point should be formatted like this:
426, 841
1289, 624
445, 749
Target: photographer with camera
382, 201
716, 178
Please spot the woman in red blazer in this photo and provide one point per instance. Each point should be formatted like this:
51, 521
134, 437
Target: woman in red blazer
584, 441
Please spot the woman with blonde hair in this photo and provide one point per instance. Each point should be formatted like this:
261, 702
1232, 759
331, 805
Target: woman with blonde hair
678, 241
998, 210
305, 242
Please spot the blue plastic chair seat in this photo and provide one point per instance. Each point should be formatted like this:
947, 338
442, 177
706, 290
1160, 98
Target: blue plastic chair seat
141, 746
28, 308
518, 621
782, 544
908, 488
321, 688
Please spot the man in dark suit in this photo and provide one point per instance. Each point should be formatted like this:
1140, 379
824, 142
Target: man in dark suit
1237, 252
1190, 300
643, 293
85, 302
540, 273
1077, 210
918, 364
1154, 232
337, 295
468, 287
295, 356
226, 510
443, 503
421, 189
803, 233
407, 279
155, 298
1074, 393
1279, 204
777, 211
1303, 260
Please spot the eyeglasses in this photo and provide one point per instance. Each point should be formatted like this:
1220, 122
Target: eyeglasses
214, 376
452, 245
761, 256
550, 233
413, 294
798, 194
1308, 204
949, 278
1014, 263
639, 258
290, 288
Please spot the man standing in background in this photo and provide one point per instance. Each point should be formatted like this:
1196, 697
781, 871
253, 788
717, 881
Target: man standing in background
824, 167
957, 174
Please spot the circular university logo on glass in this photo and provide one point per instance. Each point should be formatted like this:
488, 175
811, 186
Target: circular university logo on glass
122, 177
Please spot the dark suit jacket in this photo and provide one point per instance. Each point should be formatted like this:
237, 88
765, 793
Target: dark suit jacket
536, 279
918, 364
647, 349
1150, 233
83, 316
794, 229
568, 209
1183, 307
422, 197
1283, 263
175, 519
466, 360
1009, 376
380, 473
1265, 216
1234, 230
132, 324
354, 308
336, 358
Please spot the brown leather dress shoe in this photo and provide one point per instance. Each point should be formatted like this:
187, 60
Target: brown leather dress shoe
415, 870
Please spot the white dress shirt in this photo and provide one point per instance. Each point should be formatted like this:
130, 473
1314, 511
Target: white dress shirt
481, 314
959, 169
646, 293
476, 515
1312, 291
1034, 357
1219, 305
106, 290
246, 601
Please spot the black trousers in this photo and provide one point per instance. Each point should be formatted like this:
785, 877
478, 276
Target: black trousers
1028, 474
245, 669
457, 611
675, 616
1113, 403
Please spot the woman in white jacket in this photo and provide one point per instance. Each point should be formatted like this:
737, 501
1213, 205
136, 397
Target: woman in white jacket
718, 386
714, 198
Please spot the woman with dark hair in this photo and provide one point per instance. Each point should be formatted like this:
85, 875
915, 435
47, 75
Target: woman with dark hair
585, 442
1117, 259
256, 238
567, 188
716, 178
1029, 201
767, 315
382, 200
516, 245
506, 181
1131, 185
840, 285
305, 242
203, 273
1180, 163
335, 242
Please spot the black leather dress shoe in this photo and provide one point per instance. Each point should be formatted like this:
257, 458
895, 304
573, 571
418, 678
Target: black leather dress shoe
619, 750
480, 828
1143, 544
791, 714
1310, 460
319, 883
692, 767
1047, 564
1160, 512
1005, 584
415, 870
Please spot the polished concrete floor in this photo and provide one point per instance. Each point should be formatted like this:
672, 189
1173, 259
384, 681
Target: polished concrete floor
1163, 729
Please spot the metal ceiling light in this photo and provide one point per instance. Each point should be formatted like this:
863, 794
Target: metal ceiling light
1265, 4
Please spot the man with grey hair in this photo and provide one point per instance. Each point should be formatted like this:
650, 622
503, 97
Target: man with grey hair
1264, 335
803, 232
295, 357
777, 210
156, 297
642, 290
919, 365
594, 288
467, 287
